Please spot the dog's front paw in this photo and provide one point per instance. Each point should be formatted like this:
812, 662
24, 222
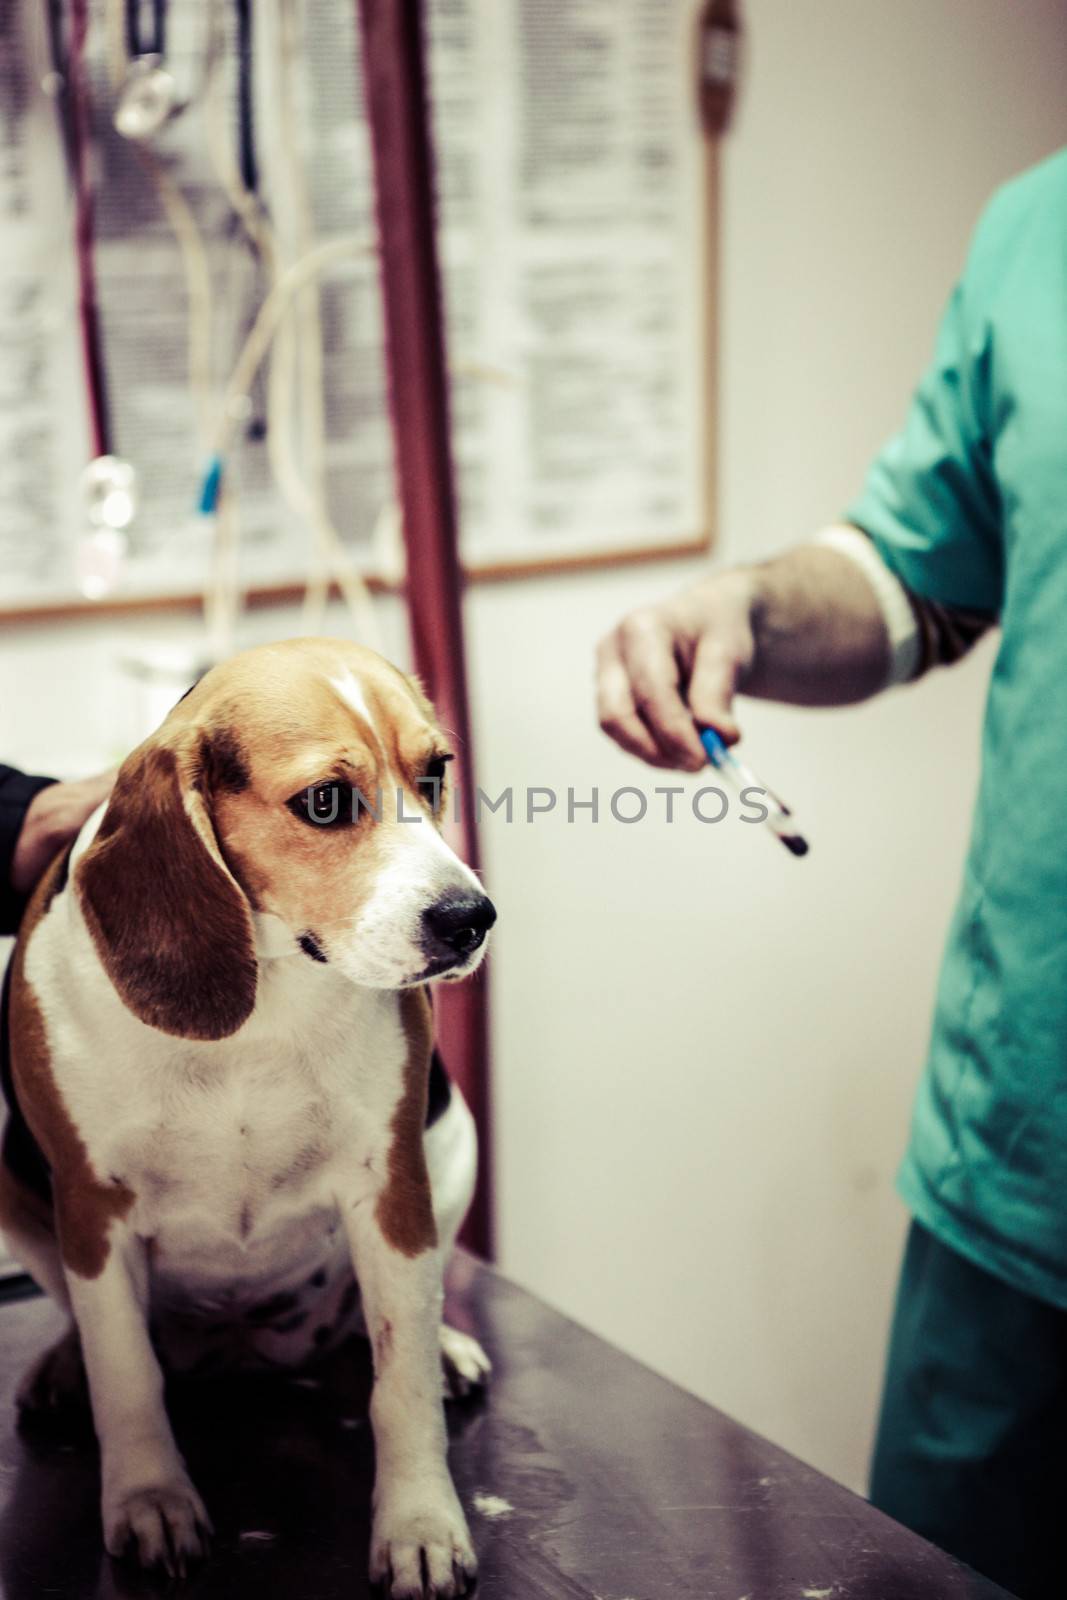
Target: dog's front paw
465, 1367
162, 1524
420, 1547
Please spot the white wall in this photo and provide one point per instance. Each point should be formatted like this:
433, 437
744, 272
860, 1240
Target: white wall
705, 1051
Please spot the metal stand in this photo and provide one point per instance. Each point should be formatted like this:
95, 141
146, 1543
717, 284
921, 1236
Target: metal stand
394, 77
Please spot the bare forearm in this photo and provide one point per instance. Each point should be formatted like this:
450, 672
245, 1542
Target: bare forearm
826, 624
819, 635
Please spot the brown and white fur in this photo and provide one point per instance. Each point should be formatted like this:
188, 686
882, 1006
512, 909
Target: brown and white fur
220, 1040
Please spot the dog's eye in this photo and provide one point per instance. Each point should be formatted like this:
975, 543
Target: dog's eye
433, 777
325, 805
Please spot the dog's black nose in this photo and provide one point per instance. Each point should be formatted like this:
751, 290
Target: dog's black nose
456, 925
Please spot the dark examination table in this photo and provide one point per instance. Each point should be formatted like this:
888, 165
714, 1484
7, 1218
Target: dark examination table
585, 1478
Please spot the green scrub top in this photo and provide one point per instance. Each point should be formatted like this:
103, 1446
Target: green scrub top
968, 506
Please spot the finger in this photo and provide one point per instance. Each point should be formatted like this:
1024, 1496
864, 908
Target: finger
712, 682
616, 710
98, 788
632, 735
647, 652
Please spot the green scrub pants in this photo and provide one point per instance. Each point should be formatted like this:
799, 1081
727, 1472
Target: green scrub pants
972, 1442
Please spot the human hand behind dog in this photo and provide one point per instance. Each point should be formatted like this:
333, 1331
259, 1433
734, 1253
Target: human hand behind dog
53, 818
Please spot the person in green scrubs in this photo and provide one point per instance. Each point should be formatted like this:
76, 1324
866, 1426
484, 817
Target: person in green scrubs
962, 525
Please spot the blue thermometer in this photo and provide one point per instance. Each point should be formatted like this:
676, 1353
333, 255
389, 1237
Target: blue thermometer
779, 818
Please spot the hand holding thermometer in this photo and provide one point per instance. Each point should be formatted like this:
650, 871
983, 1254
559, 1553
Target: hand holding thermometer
740, 777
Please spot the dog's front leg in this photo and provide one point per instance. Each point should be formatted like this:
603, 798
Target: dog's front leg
147, 1498
419, 1527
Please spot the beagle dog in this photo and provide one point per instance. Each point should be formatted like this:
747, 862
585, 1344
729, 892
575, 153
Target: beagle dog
220, 1047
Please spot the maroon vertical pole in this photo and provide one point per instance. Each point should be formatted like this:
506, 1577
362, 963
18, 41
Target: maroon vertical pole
398, 113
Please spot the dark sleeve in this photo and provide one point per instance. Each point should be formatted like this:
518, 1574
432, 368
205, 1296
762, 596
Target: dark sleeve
17, 789
946, 633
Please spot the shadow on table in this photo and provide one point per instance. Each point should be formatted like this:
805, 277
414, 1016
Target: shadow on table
285, 1467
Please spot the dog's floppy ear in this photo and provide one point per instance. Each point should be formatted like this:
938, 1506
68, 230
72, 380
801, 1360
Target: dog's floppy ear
170, 924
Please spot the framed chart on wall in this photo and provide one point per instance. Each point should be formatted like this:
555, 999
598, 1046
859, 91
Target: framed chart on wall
226, 276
